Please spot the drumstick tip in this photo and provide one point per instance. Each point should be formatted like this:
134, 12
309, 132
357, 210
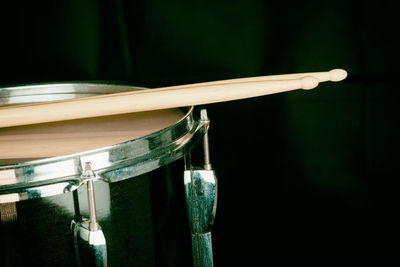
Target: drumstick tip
309, 82
337, 75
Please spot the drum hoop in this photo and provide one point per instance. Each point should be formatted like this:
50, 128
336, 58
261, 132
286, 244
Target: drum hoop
57, 175
35, 93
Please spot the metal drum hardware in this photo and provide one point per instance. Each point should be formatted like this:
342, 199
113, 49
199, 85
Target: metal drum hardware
201, 201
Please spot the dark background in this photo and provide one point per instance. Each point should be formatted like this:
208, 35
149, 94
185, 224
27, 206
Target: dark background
305, 177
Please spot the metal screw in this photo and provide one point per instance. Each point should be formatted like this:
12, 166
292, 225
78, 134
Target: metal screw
207, 162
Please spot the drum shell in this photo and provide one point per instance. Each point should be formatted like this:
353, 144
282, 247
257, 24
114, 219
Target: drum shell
143, 219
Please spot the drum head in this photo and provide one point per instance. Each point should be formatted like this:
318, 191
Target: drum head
46, 140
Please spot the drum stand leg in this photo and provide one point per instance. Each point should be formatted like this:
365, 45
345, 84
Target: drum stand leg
89, 240
201, 202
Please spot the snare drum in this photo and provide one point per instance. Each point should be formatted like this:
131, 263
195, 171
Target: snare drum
54, 160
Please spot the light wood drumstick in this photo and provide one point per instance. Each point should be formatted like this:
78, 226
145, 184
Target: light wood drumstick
334, 75
161, 98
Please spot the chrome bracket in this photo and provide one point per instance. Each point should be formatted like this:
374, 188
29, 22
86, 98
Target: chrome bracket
89, 240
201, 201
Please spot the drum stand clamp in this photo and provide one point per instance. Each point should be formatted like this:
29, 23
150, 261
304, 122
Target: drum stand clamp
201, 201
89, 240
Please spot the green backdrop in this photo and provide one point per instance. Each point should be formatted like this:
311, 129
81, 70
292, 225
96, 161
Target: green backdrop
305, 177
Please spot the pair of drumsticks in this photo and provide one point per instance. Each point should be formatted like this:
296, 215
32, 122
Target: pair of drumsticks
163, 98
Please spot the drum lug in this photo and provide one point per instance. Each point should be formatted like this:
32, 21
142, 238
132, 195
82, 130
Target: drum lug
201, 201
89, 239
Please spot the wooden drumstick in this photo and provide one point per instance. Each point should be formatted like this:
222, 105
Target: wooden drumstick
154, 99
334, 75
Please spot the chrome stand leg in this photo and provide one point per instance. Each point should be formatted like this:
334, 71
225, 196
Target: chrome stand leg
201, 202
89, 240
